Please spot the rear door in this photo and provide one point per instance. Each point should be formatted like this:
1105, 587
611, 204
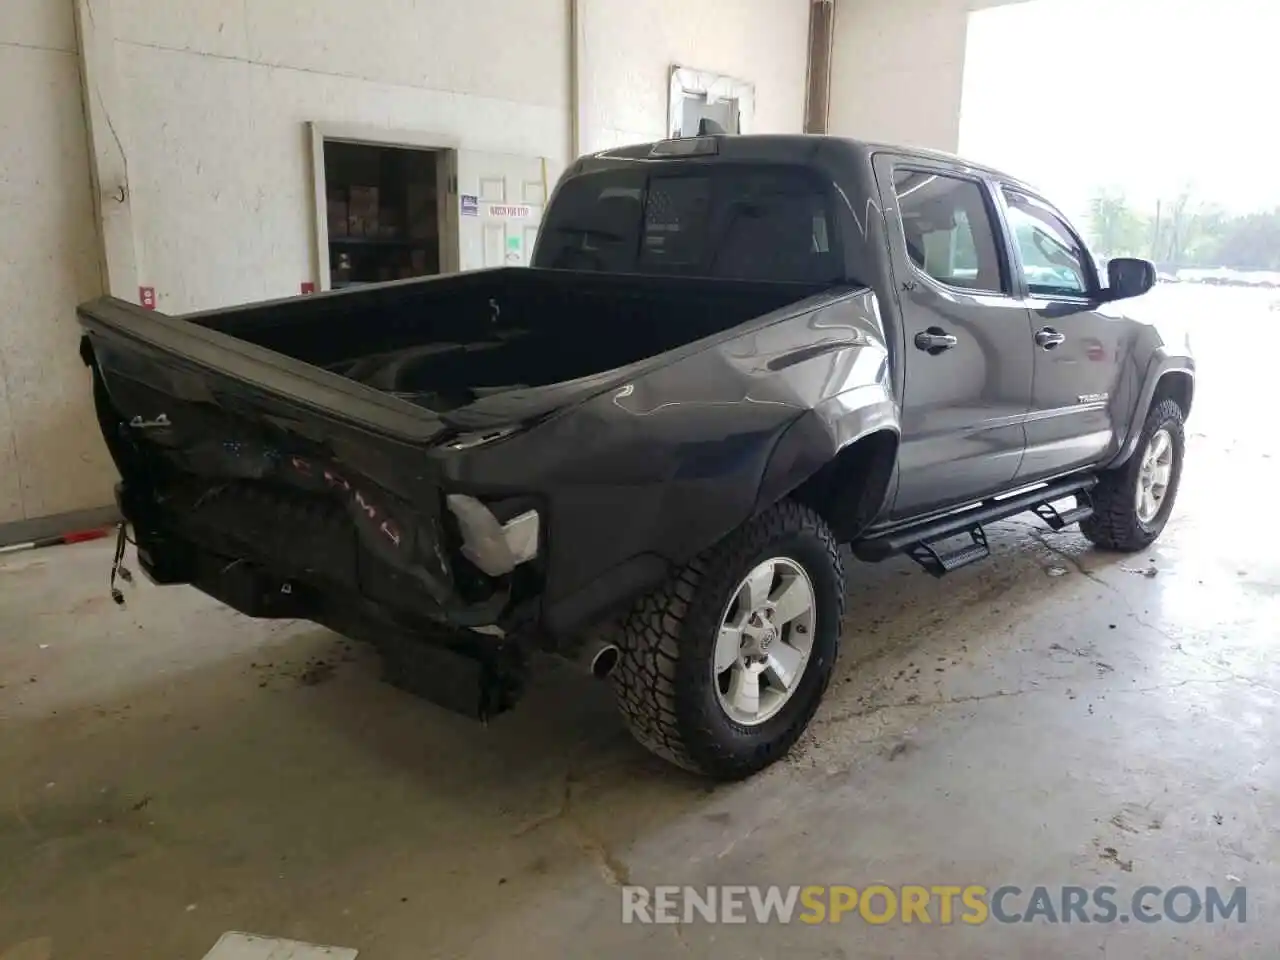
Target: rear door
968, 357
1079, 347
499, 203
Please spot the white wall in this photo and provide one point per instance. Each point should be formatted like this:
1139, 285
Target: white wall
210, 101
219, 95
51, 458
630, 45
897, 71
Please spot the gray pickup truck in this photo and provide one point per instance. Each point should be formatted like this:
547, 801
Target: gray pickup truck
731, 356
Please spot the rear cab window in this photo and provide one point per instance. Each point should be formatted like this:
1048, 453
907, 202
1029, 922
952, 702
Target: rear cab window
730, 221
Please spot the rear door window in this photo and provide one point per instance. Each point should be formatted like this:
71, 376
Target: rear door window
948, 230
746, 222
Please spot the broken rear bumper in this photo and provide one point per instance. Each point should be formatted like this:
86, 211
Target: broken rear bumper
258, 587
261, 584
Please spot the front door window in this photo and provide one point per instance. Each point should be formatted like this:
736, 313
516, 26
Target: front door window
1054, 261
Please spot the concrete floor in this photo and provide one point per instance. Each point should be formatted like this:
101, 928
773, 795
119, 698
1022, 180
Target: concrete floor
171, 771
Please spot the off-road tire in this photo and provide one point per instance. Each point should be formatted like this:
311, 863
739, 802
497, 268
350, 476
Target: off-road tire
1115, 524
664, 681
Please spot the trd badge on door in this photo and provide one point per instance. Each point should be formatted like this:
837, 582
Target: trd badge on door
1093, 398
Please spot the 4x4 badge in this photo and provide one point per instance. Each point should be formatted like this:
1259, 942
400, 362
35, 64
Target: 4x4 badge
161, 421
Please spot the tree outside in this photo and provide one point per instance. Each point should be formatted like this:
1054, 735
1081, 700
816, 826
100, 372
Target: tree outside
1183, 232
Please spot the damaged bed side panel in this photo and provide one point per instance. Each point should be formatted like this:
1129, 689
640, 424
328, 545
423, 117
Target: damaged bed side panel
655, 470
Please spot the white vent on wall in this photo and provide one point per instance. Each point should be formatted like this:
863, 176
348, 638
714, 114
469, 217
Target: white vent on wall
698, 95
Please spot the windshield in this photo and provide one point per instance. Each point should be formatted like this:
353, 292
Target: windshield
742, 222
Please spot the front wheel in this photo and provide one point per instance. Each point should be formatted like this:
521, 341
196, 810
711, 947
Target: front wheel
722, 668
1132, 503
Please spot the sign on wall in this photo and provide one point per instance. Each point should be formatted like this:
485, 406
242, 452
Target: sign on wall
510, 211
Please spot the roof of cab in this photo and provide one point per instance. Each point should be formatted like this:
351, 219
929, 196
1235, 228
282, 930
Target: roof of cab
798, 147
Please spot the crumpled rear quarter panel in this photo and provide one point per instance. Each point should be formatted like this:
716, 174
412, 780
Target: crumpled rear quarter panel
668, 463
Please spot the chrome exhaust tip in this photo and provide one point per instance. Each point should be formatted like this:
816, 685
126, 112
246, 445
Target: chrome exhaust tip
604, 660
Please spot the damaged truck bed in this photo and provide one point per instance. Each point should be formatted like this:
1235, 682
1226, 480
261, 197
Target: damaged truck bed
490, 462
492, 450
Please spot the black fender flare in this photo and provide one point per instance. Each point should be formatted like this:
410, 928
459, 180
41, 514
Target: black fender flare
1162, 364
821, 434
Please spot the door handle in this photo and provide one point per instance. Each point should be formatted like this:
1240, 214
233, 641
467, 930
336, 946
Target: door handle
1048, 338
934, 340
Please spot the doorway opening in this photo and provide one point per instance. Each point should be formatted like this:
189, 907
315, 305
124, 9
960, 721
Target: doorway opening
383, 207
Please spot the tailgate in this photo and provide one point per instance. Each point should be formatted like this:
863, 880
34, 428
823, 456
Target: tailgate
254, 456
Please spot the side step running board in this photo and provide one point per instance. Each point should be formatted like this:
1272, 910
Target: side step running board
939, 564
922, 541
1060, 519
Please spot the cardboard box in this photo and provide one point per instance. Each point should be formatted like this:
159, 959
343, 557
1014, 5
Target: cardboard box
421, 203
390, 224
362, 212
337, 217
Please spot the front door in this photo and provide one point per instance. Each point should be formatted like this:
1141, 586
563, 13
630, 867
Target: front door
499, 203
1080, 346
968, 356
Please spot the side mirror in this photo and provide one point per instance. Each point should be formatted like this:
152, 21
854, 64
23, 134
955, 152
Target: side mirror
1129, 277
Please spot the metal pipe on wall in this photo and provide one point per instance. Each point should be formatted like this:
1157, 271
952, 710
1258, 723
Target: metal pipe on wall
104, 116
818, 90
577, 52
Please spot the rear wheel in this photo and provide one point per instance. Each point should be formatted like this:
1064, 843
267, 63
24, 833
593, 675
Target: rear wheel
722, 668
1132, 503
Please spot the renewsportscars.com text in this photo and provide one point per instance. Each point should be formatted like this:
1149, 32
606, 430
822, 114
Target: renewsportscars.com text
935, 904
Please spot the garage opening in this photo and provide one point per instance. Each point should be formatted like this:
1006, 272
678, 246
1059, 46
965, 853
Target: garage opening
1150, 177
1163, 187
